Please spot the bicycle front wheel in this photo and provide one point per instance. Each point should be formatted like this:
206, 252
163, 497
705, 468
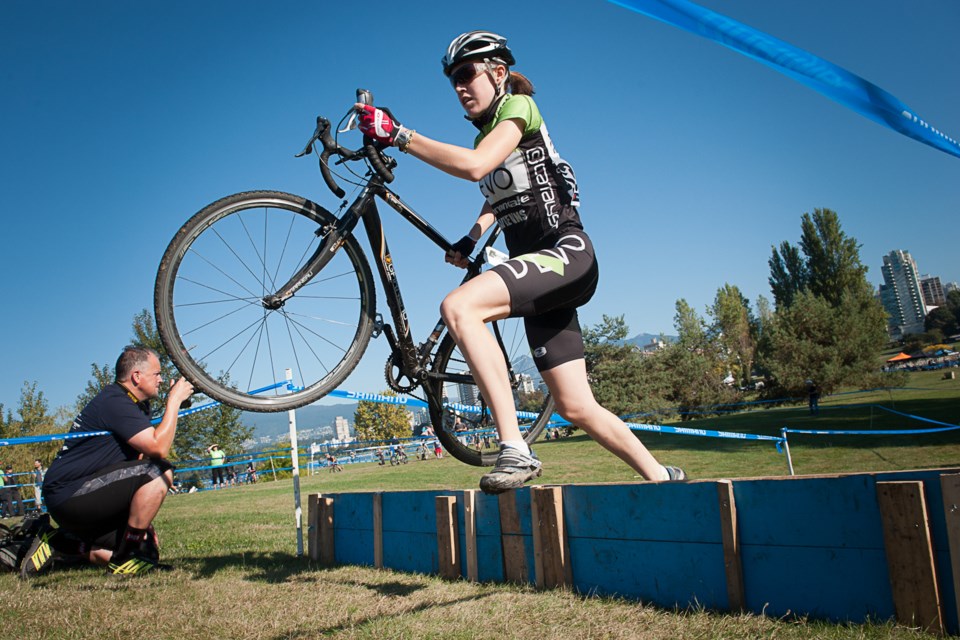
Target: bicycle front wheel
459, 413
209, 295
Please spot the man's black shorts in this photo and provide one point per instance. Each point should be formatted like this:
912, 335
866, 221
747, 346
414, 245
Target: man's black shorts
96, 508
546, 287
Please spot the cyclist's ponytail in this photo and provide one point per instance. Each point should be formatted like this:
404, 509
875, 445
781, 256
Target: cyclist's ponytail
519, 84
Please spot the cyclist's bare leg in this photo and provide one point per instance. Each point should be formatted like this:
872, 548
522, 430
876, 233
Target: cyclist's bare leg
575, 402
466, 310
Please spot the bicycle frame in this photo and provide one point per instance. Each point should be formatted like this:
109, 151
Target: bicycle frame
412, 359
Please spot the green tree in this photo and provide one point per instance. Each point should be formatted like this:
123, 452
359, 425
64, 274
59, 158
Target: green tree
832, 328
827, 262
833, 345
530, 401
942, 319
696, 369
33, 419
623, 380
733, 329
832, 258
788, 273
381, 421
34, 412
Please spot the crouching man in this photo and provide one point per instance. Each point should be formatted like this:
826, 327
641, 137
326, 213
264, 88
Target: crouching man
104, 491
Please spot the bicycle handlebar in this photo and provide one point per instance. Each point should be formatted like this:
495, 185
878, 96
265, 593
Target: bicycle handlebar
371, 151
381, 164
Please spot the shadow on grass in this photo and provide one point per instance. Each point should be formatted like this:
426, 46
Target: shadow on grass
392, 589
272, 568
372, 620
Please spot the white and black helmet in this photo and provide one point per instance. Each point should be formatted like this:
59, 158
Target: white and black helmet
477, 45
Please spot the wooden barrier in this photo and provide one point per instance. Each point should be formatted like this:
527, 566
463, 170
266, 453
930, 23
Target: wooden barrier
913, 574
950, 484
448, 547
512, 540
731, 545
844, 548
320, 542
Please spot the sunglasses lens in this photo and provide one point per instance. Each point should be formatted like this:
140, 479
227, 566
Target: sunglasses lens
463, 75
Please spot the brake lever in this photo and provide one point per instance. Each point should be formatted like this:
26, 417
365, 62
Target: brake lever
316, 136
351, 123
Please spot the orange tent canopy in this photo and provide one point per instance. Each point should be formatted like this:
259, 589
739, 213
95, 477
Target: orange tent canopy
900, 356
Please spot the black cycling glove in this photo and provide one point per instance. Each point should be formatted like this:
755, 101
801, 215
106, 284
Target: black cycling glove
464, 246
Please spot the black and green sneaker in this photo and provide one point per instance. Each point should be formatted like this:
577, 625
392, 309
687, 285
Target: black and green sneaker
40, 554
132, 564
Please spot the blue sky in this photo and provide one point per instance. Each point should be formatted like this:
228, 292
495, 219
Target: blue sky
120, 120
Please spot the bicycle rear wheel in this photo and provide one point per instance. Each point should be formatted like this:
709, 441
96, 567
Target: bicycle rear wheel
208, 303
455, 395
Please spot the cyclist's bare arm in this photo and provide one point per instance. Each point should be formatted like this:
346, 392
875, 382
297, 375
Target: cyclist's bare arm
484, 221
469, 164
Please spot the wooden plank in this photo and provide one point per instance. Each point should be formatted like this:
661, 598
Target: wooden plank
511, 540
470, 534
950, 485
327, 554
550, 541
909, 551
537, 543
732, 564
447, 537
378, 530
313, 526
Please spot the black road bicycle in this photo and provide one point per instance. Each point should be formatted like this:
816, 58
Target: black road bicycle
265, 301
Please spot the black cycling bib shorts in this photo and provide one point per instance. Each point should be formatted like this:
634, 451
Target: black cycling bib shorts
546, 287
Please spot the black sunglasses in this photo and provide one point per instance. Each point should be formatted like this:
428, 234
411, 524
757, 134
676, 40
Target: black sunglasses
465, 74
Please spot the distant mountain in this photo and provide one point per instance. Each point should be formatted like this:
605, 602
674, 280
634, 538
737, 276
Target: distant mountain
643, 339
310, 417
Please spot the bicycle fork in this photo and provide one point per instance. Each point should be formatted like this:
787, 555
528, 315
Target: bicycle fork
332, 238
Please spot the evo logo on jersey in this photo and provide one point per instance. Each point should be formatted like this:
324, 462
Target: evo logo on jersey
547, 260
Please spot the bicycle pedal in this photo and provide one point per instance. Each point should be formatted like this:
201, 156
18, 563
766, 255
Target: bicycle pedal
377, 326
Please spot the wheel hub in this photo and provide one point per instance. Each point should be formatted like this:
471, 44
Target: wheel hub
272, 302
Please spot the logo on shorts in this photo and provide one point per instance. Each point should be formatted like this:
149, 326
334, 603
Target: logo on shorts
539, 352
549, 259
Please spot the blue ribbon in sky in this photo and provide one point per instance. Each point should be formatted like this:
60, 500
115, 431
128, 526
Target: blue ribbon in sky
834, 82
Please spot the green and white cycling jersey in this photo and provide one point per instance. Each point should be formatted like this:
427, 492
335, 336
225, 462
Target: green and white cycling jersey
533, 193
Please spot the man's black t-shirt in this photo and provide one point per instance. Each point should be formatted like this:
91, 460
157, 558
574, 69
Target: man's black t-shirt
113, 409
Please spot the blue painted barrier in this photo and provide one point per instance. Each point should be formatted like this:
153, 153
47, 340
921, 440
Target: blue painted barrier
810, 546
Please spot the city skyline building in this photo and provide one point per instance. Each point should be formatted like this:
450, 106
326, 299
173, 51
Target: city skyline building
342, 428
467, 393
933, 294
901, 294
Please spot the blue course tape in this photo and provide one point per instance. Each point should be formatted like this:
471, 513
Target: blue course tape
891, 432
836, 83
879, 432
685, 431
53, 436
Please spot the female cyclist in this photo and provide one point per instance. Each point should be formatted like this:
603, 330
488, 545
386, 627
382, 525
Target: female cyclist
532, 194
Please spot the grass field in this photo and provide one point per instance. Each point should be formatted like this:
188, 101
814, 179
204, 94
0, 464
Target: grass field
237, 575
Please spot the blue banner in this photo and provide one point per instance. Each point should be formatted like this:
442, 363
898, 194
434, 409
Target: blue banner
832, 81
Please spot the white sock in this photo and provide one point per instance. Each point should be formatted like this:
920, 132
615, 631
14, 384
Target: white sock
664, 474
516, 444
